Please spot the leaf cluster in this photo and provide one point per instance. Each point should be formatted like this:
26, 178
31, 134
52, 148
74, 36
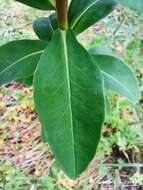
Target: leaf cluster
70, 82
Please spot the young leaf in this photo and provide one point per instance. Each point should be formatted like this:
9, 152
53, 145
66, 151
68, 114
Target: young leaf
18, 59
136, 5
69, 98
44, 27
83, 13
117, 75
42, 4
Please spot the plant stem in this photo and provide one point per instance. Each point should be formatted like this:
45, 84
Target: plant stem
62, 13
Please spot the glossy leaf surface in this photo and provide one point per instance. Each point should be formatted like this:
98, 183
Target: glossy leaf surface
83, 13
117, 75
69, 98
45, 27
18, 59
39, 4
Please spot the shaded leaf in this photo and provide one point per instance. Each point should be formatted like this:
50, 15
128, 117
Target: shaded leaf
26, 81
69, 98
44, 27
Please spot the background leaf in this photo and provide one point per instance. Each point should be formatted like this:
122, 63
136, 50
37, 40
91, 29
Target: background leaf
101, 50
18, 59
42, 4
83, 13
136, 5
44, 27
70, 102
117, 75
26, 81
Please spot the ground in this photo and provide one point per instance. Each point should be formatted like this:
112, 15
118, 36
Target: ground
25, 162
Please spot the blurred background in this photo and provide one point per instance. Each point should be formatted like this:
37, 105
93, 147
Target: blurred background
27, 164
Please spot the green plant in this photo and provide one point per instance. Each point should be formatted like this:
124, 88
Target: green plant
69, 82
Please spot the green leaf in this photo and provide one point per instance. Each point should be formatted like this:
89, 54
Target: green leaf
18, 59
39, 4
69, 98
83, 13
136, 5
101, 50
26, 81
44, 27
118, 76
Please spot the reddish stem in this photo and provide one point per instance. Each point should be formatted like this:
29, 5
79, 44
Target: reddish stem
62, 13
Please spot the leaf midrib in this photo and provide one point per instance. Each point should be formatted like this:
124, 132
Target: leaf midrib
82, 13
64, 40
